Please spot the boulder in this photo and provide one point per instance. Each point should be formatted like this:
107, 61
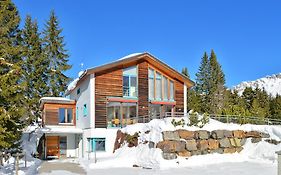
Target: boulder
120, 137
272, 141
184, 153
191, 145
185, 134
264, 135
224, 143
197, 152
243, 141
202, 145
235, 142
227, 134
179, 146
253, 134
217, 134
255, 140
166, 146
219, 151
169, 156
239, 134
213, 144
239, 149
229, 150
171, 135
203, 135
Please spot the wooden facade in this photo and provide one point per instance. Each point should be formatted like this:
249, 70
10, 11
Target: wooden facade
52, 146
109, 84
51, 113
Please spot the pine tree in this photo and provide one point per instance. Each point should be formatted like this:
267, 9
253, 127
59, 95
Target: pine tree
217, 81
193, 101
35, 67
275, 107
12, 111
185, 72
202, 83
248, 96
54, 48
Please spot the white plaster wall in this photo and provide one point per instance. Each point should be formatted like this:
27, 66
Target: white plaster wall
185, 98
83, 98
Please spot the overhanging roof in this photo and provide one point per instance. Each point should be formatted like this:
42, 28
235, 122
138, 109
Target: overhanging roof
133, 60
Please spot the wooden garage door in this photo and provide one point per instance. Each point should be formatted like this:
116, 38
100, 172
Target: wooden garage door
53, 146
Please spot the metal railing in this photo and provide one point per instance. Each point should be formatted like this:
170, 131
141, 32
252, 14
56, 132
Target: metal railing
222, 118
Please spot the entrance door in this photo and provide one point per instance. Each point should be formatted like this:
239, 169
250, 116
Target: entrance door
52, 144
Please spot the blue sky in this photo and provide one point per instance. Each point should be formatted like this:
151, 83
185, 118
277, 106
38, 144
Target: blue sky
246, 35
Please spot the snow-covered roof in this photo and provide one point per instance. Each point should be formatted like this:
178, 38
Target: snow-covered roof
60, 130
130, 55
59, 100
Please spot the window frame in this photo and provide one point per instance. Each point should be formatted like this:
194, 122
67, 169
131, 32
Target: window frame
92, 144
129, 77
163, 76
66, 116
85, 110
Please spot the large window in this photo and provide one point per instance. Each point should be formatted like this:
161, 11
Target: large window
113, 114
151, 83
130, 82
121, 114
65, 115
96, 144
158, 88
158, 83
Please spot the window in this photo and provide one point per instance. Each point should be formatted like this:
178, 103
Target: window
85, 110
119, 118
165, 84
172, 90
158, 94
154, 110
113, 114
78, 91
96, 144
130, 82
151, 84
65, 115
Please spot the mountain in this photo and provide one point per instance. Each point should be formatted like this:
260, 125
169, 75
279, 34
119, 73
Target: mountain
271, 84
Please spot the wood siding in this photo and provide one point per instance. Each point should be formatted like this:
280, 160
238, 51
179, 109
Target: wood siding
51, 113
52, 146
179, 96
109, 84
143, 89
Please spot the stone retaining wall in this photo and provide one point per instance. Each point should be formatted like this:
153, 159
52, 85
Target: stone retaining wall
185, 143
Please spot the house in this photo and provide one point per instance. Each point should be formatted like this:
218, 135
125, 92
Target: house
109, 97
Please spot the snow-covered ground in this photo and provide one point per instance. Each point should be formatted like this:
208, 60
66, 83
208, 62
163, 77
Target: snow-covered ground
255, 158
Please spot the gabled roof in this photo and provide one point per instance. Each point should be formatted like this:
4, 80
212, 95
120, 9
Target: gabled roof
134, 59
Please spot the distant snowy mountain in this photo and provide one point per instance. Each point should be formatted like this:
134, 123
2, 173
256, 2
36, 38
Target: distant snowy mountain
271, 84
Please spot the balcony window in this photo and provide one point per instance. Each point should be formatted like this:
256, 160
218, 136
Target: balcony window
130, 82
65, 115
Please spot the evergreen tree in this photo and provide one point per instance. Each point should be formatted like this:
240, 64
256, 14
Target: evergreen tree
54, 48
35, 67
202, 86
216, 81
12, 111
185, 72
248, 96
275, 107
193, 101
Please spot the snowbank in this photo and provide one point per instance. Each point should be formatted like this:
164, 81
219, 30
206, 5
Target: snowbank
147, 157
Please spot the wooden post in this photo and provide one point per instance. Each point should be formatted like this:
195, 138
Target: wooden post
25, 159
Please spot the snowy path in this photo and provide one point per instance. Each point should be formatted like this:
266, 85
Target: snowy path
241, 168
60, 168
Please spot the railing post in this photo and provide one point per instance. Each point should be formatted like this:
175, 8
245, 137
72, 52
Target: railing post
279, 162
